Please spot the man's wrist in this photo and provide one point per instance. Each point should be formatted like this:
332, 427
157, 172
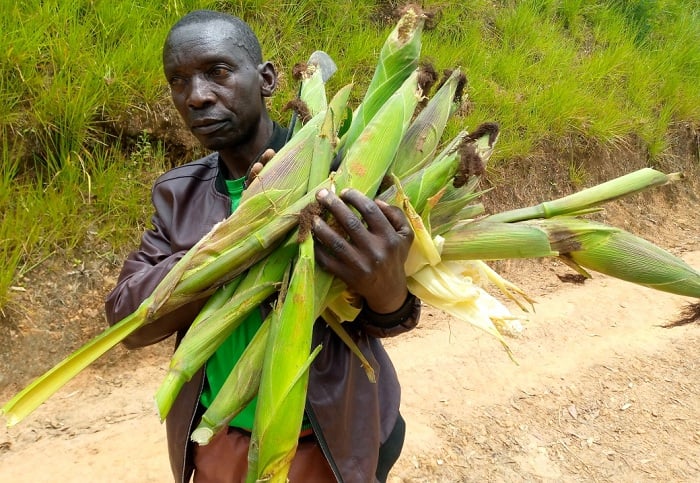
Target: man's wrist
391, 319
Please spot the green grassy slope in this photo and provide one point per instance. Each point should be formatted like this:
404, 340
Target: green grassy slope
84, 108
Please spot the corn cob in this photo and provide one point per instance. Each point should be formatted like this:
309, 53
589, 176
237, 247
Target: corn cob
313, 90
420, 142
282, 393
327, 139
239, 389
585, 244
589, 199
485, 240
398, 59
203, 338
312, 93
367, 160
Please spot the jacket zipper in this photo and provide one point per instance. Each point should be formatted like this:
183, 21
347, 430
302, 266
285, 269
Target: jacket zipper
322, 443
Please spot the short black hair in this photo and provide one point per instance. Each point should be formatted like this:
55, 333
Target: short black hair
248, 41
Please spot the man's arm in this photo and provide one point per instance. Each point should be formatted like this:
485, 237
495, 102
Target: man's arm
141, 273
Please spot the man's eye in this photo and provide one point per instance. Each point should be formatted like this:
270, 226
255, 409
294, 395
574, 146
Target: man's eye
176, 82
219, 72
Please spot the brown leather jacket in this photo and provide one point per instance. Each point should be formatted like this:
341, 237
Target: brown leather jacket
350, 415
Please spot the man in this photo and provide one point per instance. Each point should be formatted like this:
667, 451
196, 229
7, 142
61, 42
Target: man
352, 428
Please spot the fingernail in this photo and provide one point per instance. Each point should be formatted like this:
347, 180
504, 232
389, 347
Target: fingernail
322, 193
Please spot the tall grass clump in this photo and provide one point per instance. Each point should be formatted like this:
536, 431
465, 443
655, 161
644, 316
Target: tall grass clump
97, 196
69, 70
71, 73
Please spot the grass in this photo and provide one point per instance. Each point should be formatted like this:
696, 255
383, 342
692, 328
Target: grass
94, 195
82, 93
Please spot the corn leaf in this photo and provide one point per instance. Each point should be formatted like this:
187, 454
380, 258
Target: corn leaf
282, 393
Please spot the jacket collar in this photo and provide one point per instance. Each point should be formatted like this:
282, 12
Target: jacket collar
277, 140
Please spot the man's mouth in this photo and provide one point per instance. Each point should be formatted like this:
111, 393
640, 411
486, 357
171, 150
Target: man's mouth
207, 126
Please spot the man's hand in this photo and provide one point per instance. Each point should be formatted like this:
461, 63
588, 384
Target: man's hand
366, 252
258, 165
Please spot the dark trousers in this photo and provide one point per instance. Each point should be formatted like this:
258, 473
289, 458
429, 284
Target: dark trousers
225, 460
390, 451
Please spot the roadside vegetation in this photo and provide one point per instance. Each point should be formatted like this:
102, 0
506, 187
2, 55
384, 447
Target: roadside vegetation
86, 122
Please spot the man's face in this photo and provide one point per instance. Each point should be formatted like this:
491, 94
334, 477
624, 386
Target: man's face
215, 86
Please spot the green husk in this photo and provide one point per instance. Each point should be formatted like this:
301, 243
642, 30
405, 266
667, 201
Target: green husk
202, 340
42, 388
327, 139
615, 252
398, 59
484, 240
425, 183
586, 199
313, 89
282, 393
418, 146
367, 160
239, 389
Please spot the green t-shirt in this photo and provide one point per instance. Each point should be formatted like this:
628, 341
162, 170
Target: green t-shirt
224, 359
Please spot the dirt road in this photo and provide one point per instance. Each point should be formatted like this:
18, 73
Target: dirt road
601, 392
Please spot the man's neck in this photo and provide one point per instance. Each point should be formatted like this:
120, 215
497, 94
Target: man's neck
238, 159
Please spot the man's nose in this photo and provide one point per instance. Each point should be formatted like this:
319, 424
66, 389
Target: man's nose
201, 93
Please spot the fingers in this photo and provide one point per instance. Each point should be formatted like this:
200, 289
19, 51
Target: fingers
383, 220
335, 246
266, 156
380, 216
254, 171
365, 245
352, 224
387, 228
333, 253
369, 211
397, 218
258, 166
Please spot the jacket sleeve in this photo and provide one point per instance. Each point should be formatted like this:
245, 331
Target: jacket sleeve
389, 325
141, 273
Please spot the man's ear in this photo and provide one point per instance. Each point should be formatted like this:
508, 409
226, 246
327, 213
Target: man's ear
269, 78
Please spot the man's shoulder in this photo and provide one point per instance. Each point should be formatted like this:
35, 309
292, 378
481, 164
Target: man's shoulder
205, 168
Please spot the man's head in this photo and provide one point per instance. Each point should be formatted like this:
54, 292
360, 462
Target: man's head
243, 35
218, 81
